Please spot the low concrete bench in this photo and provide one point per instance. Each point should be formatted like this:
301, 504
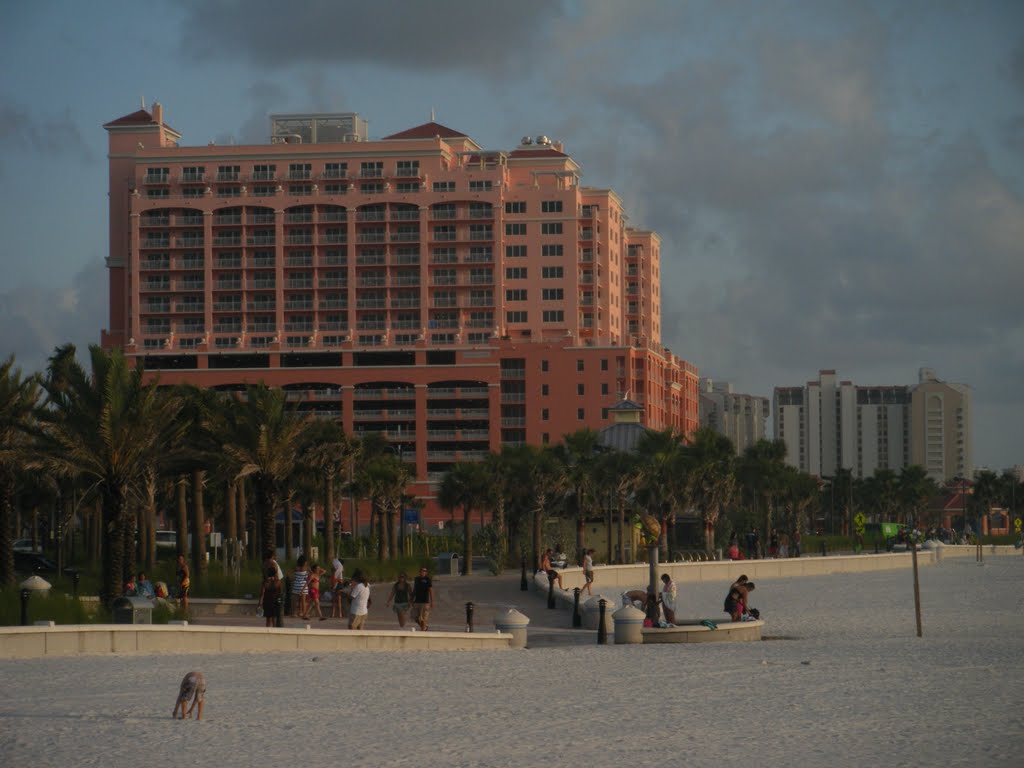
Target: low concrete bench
692, 631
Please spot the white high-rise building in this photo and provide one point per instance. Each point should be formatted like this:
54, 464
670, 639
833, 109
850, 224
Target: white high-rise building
741, 418
830, 424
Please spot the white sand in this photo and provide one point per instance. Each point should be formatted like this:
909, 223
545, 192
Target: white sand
850, 685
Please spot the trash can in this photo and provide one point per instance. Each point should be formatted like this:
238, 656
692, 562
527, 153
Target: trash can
133, 610
448, 564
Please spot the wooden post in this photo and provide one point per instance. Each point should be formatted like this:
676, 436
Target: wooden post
917, 586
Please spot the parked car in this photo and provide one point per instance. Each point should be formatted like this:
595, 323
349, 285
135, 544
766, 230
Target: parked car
29, 563
25, 545
166, 539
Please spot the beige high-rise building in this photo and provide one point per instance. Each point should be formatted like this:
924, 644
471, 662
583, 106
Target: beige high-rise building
741, 418
941, 437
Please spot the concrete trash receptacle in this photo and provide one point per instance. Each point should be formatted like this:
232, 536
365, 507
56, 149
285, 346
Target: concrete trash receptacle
133, 610
629, 625
514, 623
448, 564
592, 612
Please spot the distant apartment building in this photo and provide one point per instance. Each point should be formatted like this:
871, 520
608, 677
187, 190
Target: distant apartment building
830, 424
452, 298
741, 418
941, 439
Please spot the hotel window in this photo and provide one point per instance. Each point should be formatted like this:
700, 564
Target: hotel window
229, 191
515, 294
579, 365
408, 168
375, 188
515, 207
515, 229
553, 294
544, 366
300, 171
480, 186
551, 228
515, 251
604, 388
515, 273
300, 189
604, 363
552, 273
544, 389
580, 414
192, 192
554, 316
444, 186
335, 189
335, 170
518, 316
264, 190
580, 389
407, 187
373, 169
193, 173
544, 414
158, 175
264, 172
229, 172
551, 206
552, 250
161, 192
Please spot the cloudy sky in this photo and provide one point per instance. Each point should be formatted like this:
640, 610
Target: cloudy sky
837, 184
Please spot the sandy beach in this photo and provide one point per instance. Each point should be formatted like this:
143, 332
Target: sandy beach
843, 681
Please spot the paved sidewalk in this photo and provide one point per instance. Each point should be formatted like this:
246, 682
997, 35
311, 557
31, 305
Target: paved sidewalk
490, 595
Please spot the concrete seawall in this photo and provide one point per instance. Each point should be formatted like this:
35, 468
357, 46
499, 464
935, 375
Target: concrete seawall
76, 640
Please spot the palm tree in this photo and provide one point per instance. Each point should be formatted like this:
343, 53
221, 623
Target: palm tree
759, 472
465, 485
798, 490
915, 490
106, 426
663, 481
620, 474
881, 493
327, 453
712, 479
579, 455
262, 436
19, 402
537, 480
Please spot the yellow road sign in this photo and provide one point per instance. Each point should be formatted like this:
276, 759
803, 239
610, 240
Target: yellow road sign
1016, 525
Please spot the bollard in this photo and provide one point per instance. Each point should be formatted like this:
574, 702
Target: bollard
522, 582
24, 607
551, 593
74, 583
469, 617
577, 617
602, 630
876, 545
824, 549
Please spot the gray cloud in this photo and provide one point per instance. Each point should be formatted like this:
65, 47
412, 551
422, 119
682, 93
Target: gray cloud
36, 318
22, 130
436, 36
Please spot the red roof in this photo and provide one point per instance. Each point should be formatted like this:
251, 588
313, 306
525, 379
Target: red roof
427, 131
141, 117
551, 152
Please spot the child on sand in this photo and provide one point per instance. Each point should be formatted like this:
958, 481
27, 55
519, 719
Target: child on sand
193, 687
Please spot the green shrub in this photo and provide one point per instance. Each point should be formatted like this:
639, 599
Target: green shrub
57, 606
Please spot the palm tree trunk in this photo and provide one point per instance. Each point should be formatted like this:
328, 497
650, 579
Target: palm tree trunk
199, 564
113, 540
329, 516
289, 528
467, 545
230, 512
182, 517
266, 514
622, 532
308, 525
378, 516
6, 529
393, 526
128, 537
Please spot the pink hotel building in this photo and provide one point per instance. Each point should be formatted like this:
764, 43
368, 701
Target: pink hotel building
453, 298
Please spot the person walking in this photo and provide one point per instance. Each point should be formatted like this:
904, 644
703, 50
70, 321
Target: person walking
270, 597
422, 598
337, 587
313, 591
300, 590
669, 597
360, 601
588, 571
183, 583
401, 597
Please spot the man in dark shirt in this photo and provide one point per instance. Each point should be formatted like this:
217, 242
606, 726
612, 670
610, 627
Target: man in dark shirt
422, 598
